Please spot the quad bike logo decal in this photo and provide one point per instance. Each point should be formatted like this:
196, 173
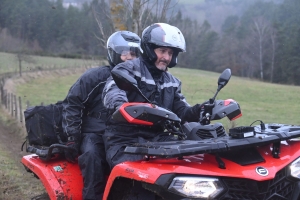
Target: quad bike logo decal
262, 171
129, 170
143, 175
57, 168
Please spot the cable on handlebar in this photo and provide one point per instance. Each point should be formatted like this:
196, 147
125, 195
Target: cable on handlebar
174, 130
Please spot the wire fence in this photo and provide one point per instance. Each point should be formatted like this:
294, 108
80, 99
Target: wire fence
11, 102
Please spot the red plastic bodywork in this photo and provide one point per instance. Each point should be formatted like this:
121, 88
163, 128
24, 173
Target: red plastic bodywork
226, 103
68, 183
131, 119
61, 179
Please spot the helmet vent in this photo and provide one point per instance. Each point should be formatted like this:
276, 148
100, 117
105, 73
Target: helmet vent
130, 38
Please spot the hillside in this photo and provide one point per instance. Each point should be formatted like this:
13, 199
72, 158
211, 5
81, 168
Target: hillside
215, 11
258, 100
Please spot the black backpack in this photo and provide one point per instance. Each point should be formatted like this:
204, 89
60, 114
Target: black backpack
44, 125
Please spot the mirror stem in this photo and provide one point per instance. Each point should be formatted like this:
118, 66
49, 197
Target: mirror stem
215, 95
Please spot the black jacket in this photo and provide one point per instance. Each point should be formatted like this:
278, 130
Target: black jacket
83, 110
161, 88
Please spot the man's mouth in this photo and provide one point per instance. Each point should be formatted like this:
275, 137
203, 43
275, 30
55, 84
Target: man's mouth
163, 62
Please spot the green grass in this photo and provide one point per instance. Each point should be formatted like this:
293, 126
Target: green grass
46, 90
258, 100
9, 63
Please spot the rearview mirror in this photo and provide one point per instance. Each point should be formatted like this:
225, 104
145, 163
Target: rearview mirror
222, 81
126, 82
224, 78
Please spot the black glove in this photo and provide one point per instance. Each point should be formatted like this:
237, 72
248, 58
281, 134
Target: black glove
72, 152
192, 114
196, 109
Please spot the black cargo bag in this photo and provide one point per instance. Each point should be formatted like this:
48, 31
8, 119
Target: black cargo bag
44, 125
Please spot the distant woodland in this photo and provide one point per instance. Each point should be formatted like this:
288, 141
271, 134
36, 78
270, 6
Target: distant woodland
262, 42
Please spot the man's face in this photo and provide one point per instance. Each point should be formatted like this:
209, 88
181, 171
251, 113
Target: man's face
164, 56
128, 55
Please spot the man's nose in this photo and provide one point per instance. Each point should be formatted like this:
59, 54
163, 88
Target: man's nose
167, 56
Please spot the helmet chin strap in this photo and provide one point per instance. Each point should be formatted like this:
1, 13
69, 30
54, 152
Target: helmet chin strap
173, 61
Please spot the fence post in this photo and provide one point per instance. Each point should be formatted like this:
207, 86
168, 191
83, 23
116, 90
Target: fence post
12, 104
8, 101
16, 107
20, 106
5, 99
2, 94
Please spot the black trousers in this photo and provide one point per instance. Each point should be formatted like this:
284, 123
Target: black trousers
116, 138
93, 166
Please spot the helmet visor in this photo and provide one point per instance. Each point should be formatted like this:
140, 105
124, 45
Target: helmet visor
132, 47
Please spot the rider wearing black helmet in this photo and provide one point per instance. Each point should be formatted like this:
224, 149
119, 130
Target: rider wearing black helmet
84, 115
161, 43
120, 45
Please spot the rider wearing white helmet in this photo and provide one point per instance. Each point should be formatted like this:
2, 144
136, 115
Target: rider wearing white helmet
161, 43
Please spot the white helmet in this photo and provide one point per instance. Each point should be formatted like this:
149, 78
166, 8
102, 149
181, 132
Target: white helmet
161, 34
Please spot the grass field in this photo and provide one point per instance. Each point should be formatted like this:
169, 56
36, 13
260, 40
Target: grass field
47, 90
9, 63
258, 100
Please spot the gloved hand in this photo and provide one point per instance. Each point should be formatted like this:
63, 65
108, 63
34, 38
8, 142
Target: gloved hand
72, 152
196, 109
192, 114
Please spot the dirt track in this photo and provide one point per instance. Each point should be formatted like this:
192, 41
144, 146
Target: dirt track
15, 182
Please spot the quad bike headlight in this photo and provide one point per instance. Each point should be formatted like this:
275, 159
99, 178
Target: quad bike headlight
295, 168
196, 187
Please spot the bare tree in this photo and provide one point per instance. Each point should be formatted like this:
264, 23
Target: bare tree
145, 12
260, 29
132, 15
273, 40
136, 16
117, 13
102, 16
22, 57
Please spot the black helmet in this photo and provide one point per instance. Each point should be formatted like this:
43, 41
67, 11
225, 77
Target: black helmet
122, 41
162, 35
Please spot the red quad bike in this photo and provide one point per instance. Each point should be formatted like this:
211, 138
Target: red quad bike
248, 162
